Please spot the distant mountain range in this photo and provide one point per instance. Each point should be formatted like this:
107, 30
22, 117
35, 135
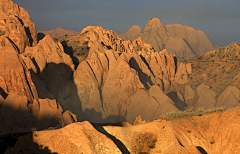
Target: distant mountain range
59, 32
178, 39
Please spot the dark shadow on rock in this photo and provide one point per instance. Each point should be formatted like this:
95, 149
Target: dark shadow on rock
53, 77
40, 36
201, 150
181, 105
108, 47
17, 120
69, 50
3, 93
14, 45
27, 30
21, 121
88, 113
175, 62
194, 52
30, 39
19, 142
118, 143
144, 78
36, 65
56, 77
16, 130
144, 60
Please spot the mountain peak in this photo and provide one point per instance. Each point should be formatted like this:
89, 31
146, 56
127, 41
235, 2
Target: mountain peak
59, 28
155, 20
135, 28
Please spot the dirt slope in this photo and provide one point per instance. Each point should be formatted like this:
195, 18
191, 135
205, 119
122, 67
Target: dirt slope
215, 132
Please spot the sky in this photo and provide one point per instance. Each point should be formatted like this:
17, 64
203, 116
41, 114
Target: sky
218, 19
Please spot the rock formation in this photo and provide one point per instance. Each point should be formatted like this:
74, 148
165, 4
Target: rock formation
119, 71
102, 82
21, 105
111, 77
215, 132
58, 32
16, 25
181, 40
196, 39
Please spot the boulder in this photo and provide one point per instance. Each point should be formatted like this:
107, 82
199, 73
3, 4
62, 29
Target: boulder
139, 120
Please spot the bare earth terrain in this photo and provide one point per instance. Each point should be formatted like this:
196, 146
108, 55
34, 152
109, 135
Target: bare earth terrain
94, 92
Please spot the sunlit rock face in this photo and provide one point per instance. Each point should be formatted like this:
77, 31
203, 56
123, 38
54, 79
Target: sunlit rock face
113, 77
16, 24
178, 39
22, 106
186, 133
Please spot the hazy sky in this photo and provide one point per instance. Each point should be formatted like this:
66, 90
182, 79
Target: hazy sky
219, 19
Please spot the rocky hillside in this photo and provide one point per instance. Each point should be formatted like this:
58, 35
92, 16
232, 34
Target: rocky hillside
215, 132
87, 81
214, 79
104, 79
21, 108
123, 74
57, 32
178, 39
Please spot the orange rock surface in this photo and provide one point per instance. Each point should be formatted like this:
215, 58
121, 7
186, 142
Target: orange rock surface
104, 83
215, 132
